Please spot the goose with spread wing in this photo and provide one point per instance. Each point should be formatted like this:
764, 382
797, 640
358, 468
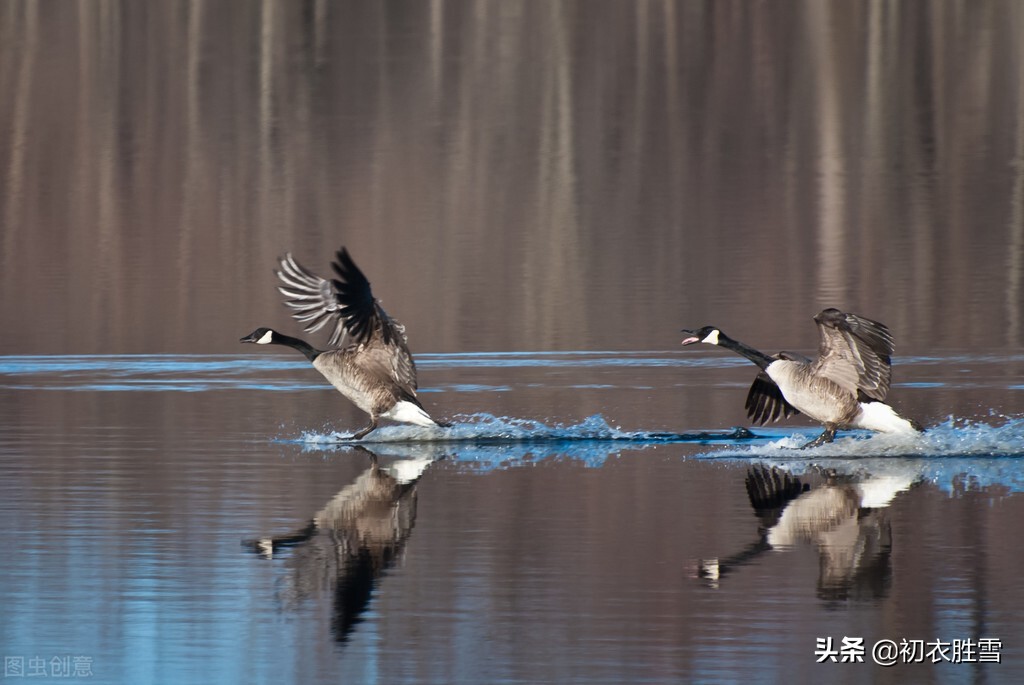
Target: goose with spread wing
843, 515
845, 387
369, 361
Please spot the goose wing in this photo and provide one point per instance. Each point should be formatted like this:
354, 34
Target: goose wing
771, 490
855, 353
765, 402
346, 301
312, 299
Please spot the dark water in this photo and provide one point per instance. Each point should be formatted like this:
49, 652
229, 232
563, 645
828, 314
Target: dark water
544, 193
529, 549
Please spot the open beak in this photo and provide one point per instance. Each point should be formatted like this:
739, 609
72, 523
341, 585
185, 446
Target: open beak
690, 338
251, 338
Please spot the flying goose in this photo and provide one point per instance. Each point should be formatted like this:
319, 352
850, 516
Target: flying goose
369, 360
845, 387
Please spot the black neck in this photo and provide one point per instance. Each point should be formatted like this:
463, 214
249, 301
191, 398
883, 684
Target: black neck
756, 356
300, 345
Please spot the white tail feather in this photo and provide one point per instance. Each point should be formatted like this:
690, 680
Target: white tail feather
407, 470
880, 417
407, 412
879, 491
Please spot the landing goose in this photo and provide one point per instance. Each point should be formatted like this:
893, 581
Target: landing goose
369, 360
845, 387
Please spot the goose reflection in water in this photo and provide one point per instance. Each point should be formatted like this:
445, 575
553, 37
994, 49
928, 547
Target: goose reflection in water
844, 516
352, 541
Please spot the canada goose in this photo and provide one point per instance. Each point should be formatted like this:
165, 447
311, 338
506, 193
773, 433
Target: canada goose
369, 362
353, 539
844, 517
845, 387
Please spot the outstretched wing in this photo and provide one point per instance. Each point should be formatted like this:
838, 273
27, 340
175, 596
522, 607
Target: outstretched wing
363, 317
313, 300
770, 490
765, 402
855, 353
346, 301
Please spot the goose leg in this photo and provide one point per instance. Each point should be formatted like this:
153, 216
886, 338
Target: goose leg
367, 430
828, 436
368, 453
267, 546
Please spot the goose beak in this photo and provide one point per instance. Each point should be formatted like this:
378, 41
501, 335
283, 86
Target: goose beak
691, 337
251, 338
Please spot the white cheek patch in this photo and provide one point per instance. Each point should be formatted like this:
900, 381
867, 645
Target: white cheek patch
711, 338
266, 339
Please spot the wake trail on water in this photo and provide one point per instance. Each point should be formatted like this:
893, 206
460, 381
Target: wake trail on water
483, 428
956, 455
953, 437
487, 442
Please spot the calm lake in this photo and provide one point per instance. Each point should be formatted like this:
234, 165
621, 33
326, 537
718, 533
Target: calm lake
544, 193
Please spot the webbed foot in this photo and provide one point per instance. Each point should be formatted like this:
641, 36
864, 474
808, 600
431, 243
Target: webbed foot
828, 436
372, 426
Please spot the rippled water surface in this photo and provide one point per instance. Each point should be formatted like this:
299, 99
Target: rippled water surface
544, 193
157, 513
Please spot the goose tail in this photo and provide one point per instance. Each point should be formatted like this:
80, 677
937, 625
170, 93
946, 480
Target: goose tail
409, 412
878, 416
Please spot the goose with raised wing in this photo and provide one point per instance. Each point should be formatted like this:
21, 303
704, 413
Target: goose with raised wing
842, 514
369, 361
347, 547
845, 387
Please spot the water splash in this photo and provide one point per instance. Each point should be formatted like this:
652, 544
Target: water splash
489, 442
954, 437
957, 455
486, 428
